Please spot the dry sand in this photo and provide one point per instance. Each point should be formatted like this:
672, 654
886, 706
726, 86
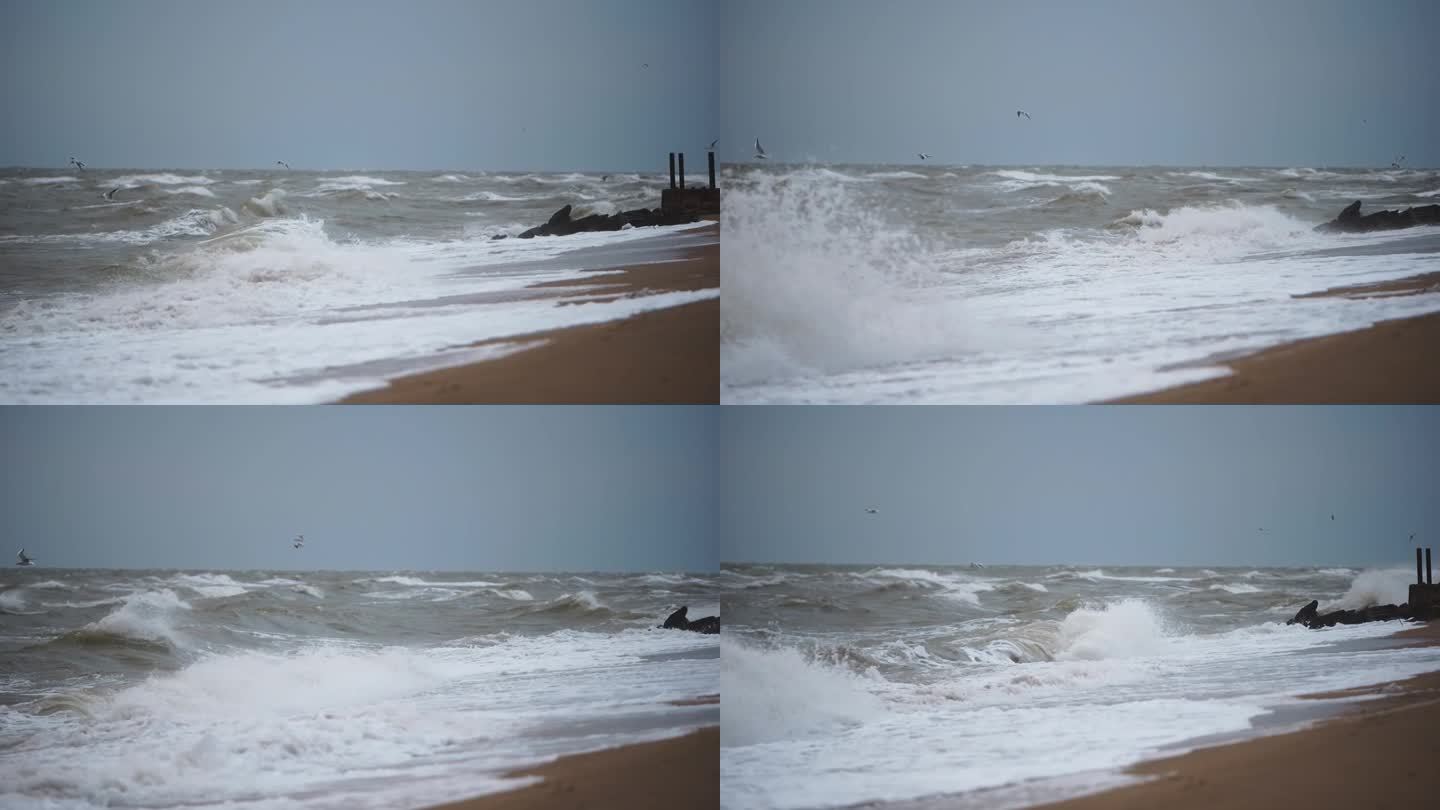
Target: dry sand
1394, 361
1382, 753
667, 356
682, 772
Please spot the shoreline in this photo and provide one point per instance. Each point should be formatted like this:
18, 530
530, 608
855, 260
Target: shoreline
681, 771
669, 355
1374, 751
1391, 361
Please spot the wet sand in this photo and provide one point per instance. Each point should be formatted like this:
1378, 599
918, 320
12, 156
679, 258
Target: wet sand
1380, 753
678, 772
1395, 361
667, 356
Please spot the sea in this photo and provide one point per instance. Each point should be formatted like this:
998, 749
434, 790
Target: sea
227, 286
270, 689
1041, 284
1006, 686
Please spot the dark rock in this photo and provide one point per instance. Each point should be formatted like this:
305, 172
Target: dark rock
1351, 221
709, 625
562, 217
677, 619
1311, 618
1306, 614
560, 223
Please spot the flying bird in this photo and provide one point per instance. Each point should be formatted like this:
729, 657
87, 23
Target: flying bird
759, 151
110, 195
870, 510
282, 163
1332, 517
645, 66
711, 147
1019, 113
299, 541
79, 164
923, 156
23, 559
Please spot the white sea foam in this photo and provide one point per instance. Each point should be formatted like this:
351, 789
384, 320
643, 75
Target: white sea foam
781, 694
366, 725
145, 616
195, 191
1236, 588
161, 179
1123, 629
48, 181
815, 282
1375, 587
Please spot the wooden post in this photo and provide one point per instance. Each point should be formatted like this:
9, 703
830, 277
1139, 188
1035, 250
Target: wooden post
672, 174
1418, 579
682, 170
712, 170
1428, 580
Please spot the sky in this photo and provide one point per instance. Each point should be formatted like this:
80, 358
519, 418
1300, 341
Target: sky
1101, 485
418, 488
1106, 82
327, 84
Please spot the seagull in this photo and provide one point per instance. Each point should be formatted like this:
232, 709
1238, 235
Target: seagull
77, 163
1332, 517
711, 147
282, 163
645, 66
299, 541
759, 151
923, 156
110, 195
870, 510
22, 559
1019, 113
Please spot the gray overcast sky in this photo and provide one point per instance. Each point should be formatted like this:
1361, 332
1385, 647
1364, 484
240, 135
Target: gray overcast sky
1120, 82
1107, 485
472, 488
420, 84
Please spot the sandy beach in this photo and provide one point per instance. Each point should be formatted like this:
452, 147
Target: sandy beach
1389, 362
678, 772
669, 356
1378, 754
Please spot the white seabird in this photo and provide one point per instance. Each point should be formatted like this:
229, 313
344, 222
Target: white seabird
923, 156
282, 163
23, 559
299, 541
870, 510
759, 151
711, 148
1019, 113
79, 164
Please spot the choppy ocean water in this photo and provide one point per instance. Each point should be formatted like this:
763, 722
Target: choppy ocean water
974, 284
1007, 686
151, 689
279, 286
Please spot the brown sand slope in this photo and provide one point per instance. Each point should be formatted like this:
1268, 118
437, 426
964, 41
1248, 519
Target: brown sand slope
1390, 362
667, 356
683, 772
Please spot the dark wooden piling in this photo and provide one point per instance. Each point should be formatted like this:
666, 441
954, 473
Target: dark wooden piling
712, 169
1428, 580
682, 170
1419, 580
672, 170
